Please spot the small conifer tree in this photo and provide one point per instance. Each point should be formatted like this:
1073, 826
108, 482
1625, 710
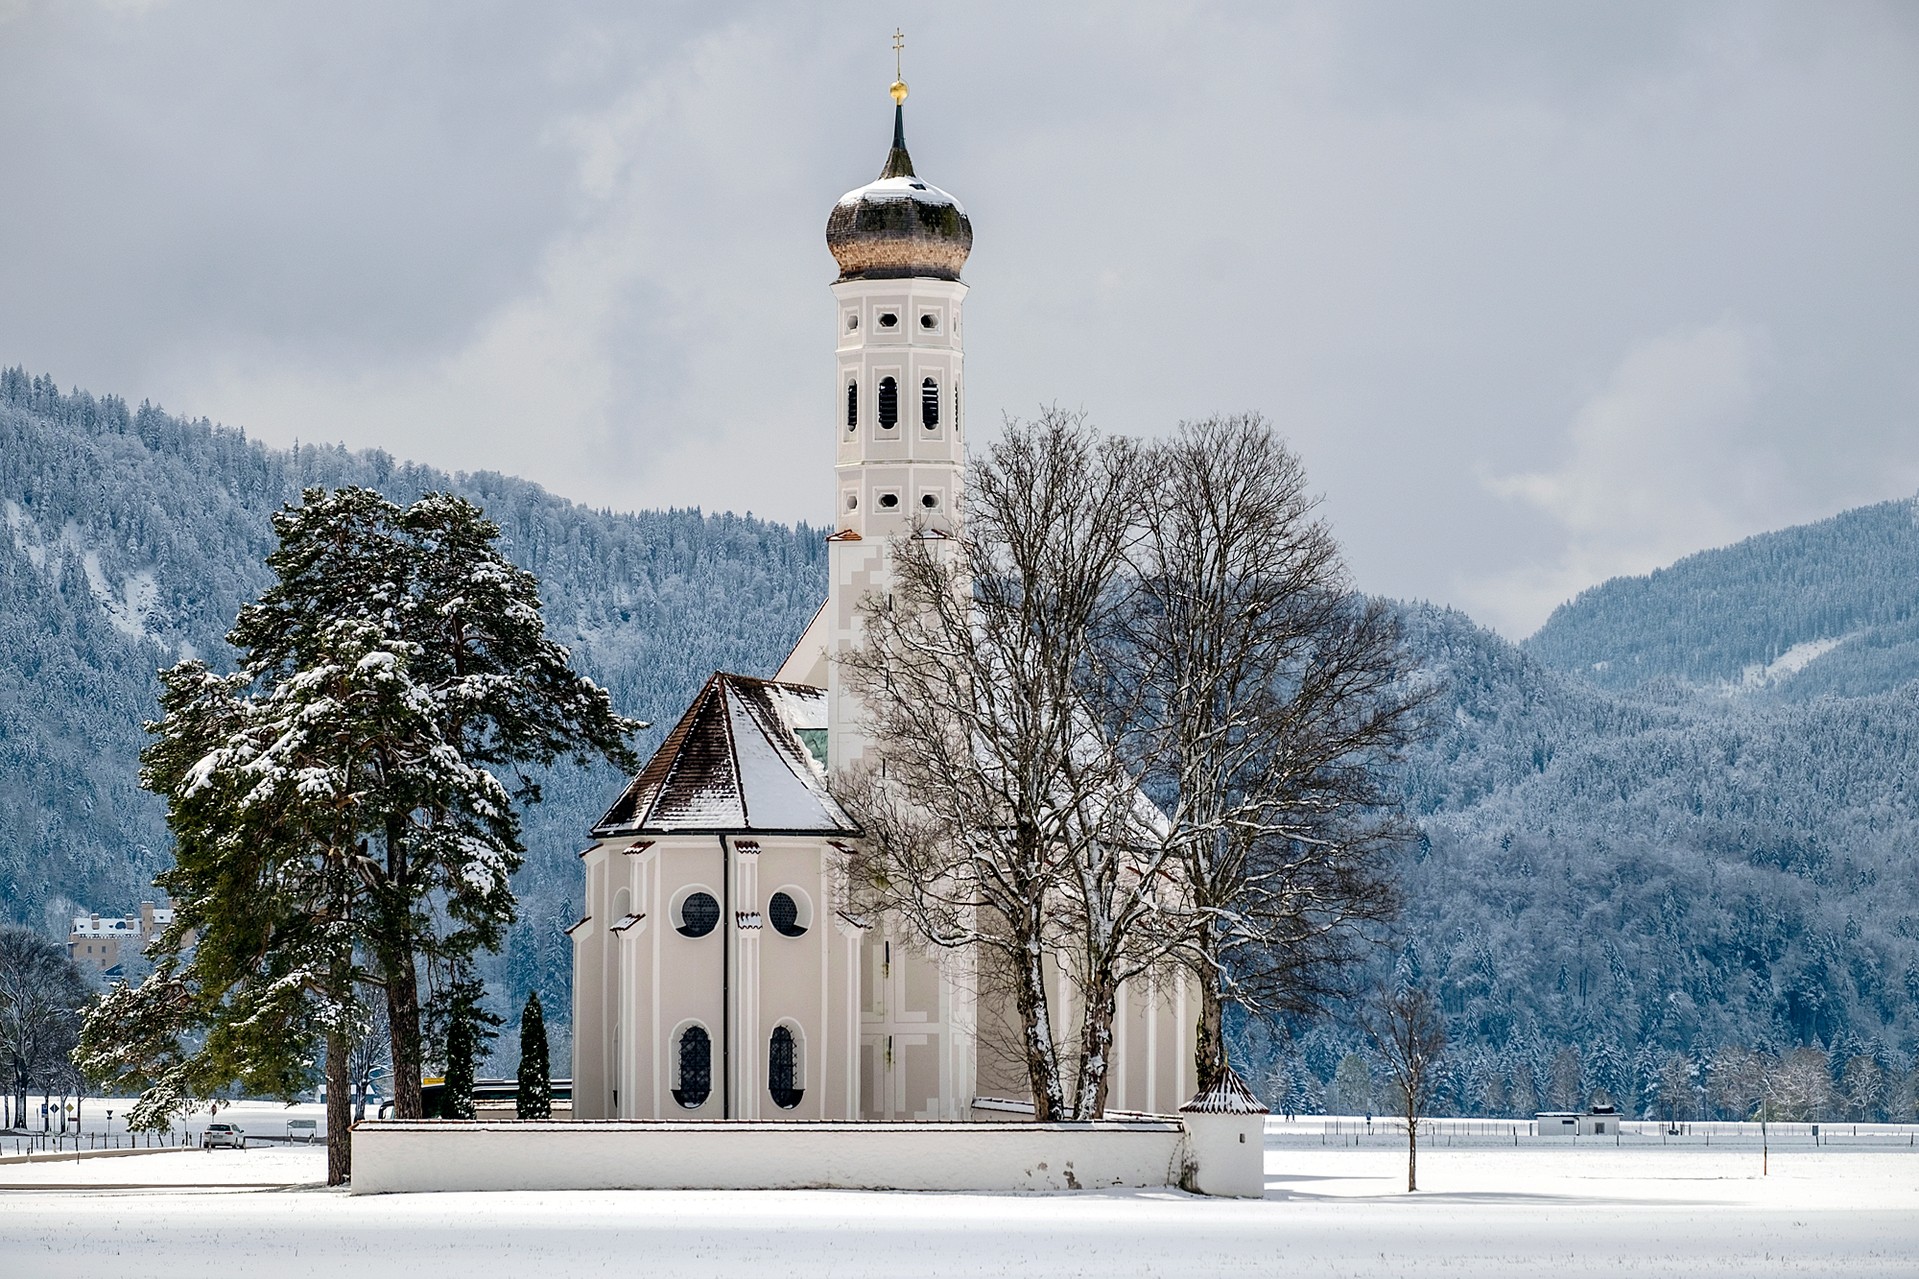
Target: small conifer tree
535, 1097
468, 1027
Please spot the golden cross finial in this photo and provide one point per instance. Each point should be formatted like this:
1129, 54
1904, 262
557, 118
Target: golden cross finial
899, 80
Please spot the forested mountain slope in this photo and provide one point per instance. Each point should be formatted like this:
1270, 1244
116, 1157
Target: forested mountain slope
133, 537
1830, 607
1624, 862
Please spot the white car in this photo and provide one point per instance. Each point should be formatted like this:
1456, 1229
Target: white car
223, 1135
304, 1131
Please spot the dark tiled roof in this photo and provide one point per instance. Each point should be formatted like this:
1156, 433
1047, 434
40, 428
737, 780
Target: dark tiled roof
1229, 1096
734, 763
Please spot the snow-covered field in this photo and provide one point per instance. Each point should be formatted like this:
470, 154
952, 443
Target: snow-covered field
1329, 1211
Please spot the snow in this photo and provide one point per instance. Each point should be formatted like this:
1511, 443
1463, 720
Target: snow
901, 189
1787, 664
1542, 1207
127, 606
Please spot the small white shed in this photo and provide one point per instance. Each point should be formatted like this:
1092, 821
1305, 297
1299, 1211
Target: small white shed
1600, 1121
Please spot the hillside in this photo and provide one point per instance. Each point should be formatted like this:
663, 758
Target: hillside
1617, 857
1830, 607
133, 536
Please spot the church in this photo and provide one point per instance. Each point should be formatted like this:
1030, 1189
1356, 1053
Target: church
720, 971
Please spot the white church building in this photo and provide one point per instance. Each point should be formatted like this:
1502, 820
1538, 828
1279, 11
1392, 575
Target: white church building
720, 972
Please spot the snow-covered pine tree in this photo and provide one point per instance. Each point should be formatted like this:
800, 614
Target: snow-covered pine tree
335, 799
497, 691
464, 1030
534, 1098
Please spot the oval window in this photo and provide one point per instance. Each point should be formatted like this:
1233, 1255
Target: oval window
929, 321
693, 1070
785, 914
930, 404
889, 500
889, 403
852, 405
852, 323
888, 319
699, 915
930, 501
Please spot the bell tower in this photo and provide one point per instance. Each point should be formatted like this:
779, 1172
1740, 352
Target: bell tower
899, 359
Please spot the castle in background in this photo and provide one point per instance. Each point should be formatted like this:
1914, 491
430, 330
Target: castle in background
719, 971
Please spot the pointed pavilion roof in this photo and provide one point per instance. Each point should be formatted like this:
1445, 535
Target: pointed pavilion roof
735, 763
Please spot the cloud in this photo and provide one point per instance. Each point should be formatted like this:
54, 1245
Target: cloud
1664, 460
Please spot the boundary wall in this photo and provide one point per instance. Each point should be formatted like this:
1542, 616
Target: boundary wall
397, 1156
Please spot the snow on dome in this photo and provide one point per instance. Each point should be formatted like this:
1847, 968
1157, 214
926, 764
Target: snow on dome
899, 225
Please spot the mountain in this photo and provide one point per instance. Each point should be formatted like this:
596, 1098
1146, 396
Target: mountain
1831, 607
1683, 815
133, 537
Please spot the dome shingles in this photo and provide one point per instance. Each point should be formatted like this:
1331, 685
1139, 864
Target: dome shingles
899, 226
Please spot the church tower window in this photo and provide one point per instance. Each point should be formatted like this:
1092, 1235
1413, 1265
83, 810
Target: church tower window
930, 404
852, 405
889, 403
693, 1071
783, 1069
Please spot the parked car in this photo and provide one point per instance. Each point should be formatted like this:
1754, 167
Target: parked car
223, 1135
304, 1131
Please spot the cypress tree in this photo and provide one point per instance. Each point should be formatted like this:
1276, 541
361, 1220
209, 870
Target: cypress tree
462, 1046
534, 1099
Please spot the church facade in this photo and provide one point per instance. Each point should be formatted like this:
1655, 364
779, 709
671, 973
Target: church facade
720, 971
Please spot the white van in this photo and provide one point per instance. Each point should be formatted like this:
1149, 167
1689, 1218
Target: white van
304, 1131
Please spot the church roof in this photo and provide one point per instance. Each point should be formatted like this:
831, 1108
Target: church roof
738, 761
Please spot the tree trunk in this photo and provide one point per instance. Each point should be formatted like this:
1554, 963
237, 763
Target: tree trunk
1412, 1154
403, 1022
1042, 1070
402, 979
1095, 1049
1209, 1041
339, 1112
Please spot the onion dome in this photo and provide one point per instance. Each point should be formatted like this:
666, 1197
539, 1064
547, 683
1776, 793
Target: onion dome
899, 226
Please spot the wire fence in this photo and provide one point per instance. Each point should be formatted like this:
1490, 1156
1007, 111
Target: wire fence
1382, 1131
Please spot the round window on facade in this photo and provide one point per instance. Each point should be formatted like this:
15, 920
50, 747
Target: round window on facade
697, 915
787, 917
930, 501
888, 319
693, 1068
929, 321
852, 501
852, 323
889, 500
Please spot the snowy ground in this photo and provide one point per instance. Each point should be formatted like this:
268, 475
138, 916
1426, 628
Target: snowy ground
1532, 1209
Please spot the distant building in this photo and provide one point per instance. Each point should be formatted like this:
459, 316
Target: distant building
1600, 1121
103, 941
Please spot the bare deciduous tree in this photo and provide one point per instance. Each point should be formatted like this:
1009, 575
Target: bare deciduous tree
41, 993
1276, 694
1005, 818
1409, 1035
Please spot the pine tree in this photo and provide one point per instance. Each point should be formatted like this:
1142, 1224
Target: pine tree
534, 1099
462, 1046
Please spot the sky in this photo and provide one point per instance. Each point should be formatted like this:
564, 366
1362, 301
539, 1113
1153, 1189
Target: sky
1541, 293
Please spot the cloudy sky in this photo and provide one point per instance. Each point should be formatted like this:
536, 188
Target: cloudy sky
1542, 292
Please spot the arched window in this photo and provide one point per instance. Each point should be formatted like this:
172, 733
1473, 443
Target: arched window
693, 1072
929, 404
889, 403
852, 405
783, 1069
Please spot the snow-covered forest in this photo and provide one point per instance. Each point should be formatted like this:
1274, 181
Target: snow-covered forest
1680, 818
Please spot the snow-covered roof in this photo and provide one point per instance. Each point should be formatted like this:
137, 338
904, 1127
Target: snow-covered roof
1229, 1095
735, 763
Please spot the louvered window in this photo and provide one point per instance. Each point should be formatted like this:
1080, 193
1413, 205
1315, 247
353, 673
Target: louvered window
783, 1069
852, 405
889, 404
929, 404
695, 1082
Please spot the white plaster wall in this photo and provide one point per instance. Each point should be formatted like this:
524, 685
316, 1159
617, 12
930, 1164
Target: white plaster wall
397, 1156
